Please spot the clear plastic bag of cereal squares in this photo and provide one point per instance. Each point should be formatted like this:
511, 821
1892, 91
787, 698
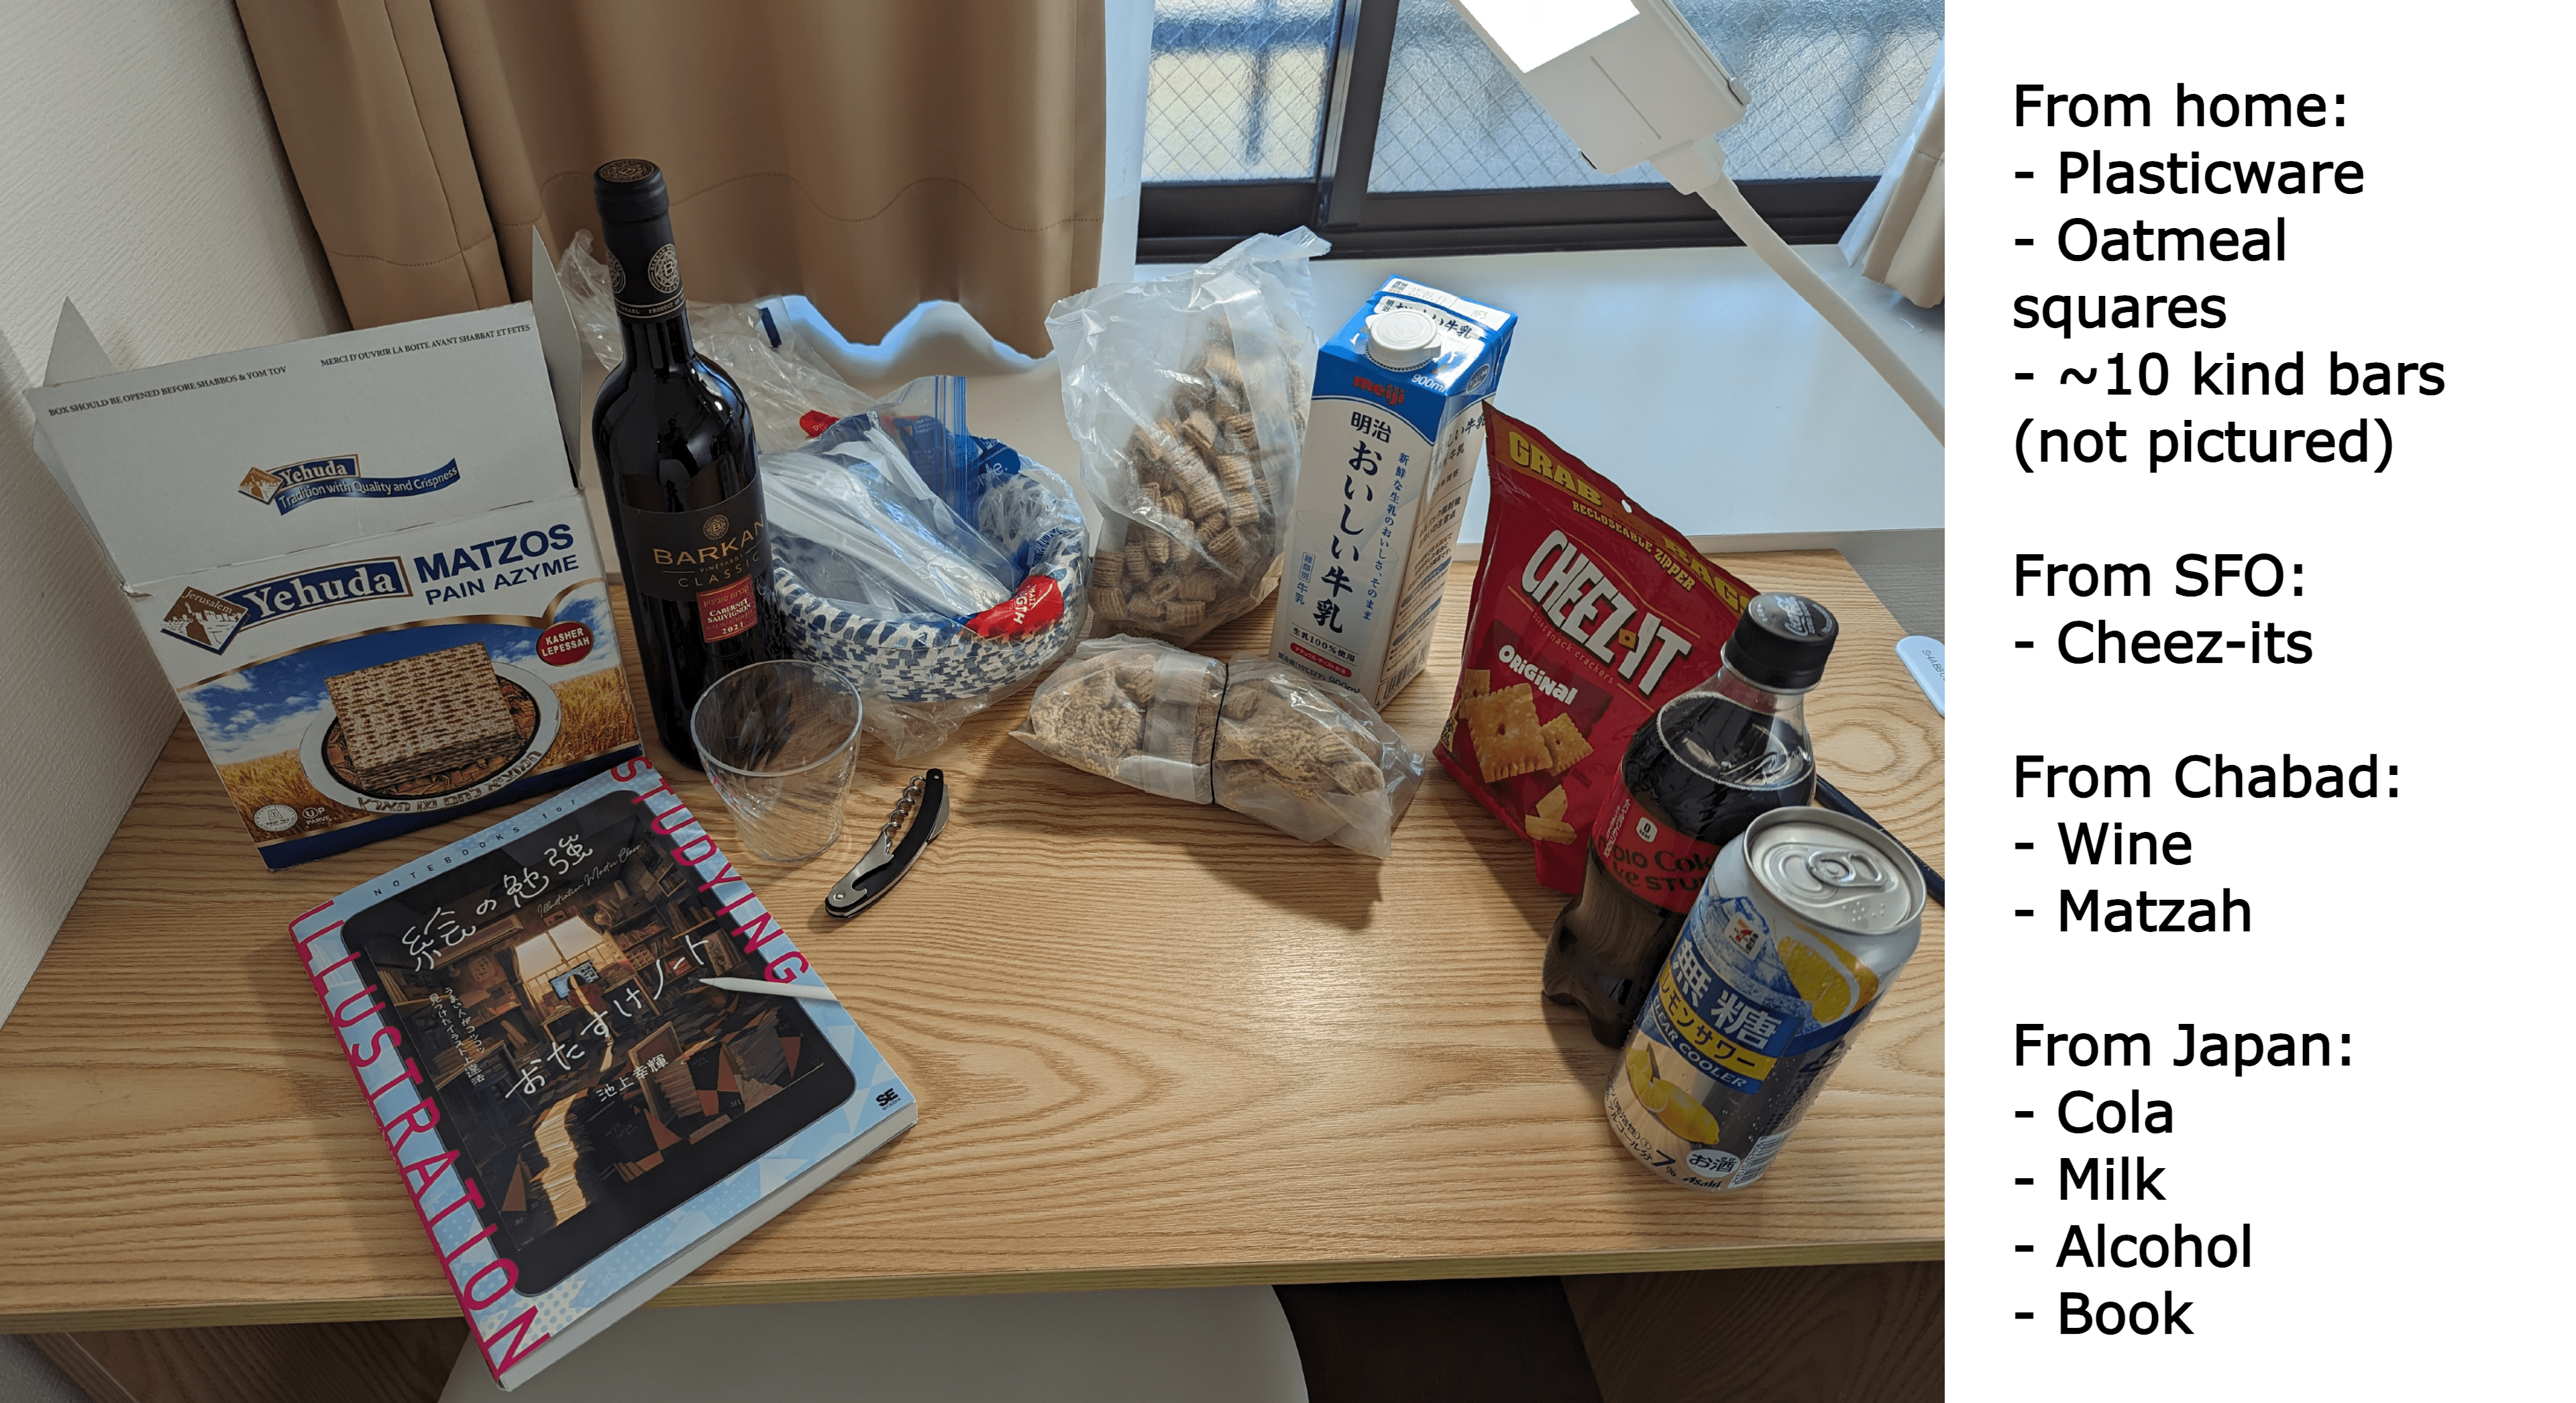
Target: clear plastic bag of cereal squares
1187, 398
1305, 757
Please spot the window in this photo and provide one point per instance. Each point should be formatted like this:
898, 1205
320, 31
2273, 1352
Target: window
1388, 126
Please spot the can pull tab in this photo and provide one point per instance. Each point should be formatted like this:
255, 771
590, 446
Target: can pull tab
1846, 869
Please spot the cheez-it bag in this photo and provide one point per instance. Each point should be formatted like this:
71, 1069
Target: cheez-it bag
1588, 615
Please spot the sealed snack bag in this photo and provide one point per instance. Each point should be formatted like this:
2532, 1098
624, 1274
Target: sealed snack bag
1588, 614
1306, 757
1187, 397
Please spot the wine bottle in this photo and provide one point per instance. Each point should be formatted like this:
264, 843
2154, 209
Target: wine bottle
680, 468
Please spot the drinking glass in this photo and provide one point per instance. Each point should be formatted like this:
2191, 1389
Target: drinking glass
778, 740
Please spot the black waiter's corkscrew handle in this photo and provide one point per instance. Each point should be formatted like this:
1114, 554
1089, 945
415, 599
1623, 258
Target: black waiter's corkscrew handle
870, 881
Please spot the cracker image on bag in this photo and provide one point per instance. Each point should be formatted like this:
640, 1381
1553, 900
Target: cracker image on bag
1595, 625
1547, 823
1310, 759
1504, 728
1565, 744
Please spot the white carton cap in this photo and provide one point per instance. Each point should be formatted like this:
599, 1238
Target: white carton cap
1402, 338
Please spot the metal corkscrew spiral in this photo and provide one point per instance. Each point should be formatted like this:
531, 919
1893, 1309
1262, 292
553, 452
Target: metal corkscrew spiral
902, 810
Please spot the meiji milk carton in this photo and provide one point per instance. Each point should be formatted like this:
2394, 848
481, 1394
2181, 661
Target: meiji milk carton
1391, 449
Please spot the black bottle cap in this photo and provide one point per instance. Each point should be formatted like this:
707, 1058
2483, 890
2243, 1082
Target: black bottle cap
635, 231
629, 191
1782, 642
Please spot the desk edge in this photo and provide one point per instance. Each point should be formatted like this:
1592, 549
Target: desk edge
687, 1293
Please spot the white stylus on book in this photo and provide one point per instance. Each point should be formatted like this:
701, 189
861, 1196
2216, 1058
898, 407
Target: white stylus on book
763, 986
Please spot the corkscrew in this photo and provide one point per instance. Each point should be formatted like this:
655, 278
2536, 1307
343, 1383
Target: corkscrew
925, 802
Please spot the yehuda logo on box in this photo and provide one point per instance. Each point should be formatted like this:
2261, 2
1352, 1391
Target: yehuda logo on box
314, 479
211, 621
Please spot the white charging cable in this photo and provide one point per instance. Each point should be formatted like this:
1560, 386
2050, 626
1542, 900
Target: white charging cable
1700, 169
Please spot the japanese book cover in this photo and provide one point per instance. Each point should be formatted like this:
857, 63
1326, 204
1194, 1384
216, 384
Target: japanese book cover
363, 563
579, 1121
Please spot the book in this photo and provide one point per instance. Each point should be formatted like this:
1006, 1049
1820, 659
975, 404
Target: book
579, 1121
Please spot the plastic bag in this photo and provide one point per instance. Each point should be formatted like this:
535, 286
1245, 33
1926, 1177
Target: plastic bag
1187, 397
886, 540
938, 570
878, 575
1308, 758
786, 384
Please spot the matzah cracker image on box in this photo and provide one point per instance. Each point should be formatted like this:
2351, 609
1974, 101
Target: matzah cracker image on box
424, 715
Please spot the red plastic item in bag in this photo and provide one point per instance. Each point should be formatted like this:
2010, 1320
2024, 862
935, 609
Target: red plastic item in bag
1588, 615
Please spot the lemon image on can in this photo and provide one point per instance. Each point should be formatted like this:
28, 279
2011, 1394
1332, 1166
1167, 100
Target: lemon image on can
1829, 977
1641, 1069
1680, 1112
1684, 1116
1800, 925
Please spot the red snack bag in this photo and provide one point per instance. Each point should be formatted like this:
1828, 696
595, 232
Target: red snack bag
1588, 615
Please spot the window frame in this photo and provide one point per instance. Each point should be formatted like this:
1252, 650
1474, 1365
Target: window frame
1189, 221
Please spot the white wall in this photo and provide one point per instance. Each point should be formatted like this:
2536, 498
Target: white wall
1696, 380
141, 178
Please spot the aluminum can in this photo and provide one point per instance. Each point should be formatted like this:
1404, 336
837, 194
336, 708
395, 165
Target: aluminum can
1805, 920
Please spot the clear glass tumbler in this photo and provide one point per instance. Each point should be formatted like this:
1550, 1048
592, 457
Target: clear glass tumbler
778, 740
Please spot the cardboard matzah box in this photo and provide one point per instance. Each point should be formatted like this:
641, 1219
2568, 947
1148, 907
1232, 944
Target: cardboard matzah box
362, 561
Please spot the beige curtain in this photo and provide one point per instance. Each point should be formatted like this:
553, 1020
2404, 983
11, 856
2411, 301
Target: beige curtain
871, 154
1898, 236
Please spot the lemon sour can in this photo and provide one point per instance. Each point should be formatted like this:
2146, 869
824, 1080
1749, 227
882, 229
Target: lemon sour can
1805, 919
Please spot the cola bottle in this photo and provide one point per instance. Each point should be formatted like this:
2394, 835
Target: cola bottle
1708, 764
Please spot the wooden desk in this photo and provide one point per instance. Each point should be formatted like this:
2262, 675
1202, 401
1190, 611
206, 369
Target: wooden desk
1155, 1045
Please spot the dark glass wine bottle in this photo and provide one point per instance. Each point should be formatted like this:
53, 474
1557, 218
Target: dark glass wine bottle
680, 468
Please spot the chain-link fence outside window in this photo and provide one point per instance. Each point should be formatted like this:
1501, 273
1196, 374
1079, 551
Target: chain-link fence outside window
1832, 82
1237, 93
1236, 88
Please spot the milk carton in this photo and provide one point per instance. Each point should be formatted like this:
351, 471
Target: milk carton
363, 563
1392, 444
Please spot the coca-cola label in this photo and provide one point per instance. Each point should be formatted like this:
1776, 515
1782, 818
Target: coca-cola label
686, 555
1653, 861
